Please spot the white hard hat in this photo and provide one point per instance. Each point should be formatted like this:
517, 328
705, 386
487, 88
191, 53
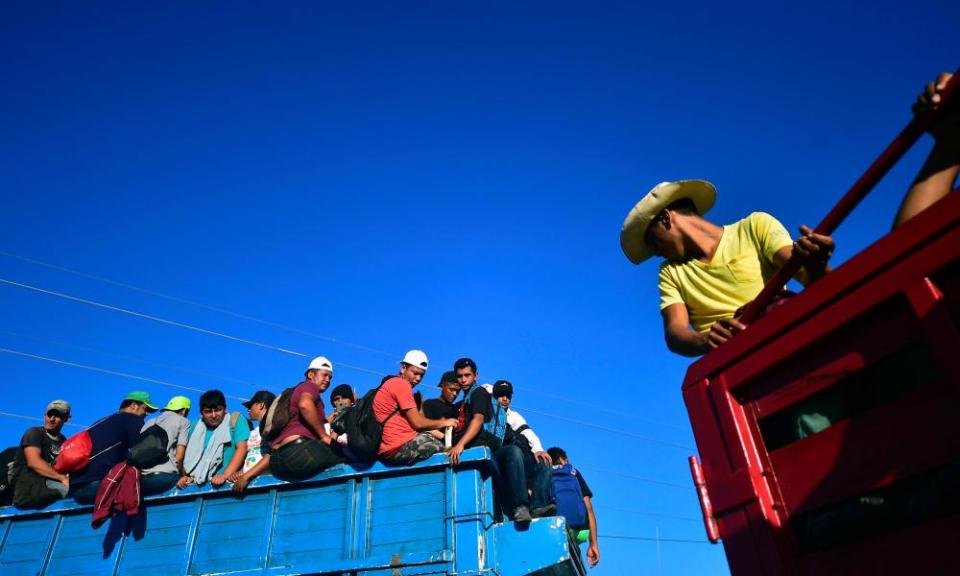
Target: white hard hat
321, 363
416, 358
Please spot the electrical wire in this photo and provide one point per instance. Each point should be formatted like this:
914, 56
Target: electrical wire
35, 419
642, 513
194, 303
606, 428
133, 359
176, 323
632, 417
106, 371
651, 539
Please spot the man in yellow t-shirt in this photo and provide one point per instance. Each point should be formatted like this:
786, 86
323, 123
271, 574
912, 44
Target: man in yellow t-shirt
711, 271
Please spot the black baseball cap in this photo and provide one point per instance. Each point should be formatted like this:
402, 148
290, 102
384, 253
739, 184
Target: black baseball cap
343, 391
448, 376
264, 396
502, 388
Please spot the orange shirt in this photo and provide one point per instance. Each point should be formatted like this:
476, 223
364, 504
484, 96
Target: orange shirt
397, 432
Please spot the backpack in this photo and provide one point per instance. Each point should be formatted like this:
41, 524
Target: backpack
517, 438
74, 453
277, 416
364, 432
565, 491
7, 459
495, 427
151, 448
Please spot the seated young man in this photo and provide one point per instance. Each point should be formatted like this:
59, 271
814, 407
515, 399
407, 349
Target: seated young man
216, 444
35, 482
406, 433
446, 405
173, 420
481, 428
111, 438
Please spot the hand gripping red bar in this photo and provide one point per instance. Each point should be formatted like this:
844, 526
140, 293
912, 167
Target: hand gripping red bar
907, 138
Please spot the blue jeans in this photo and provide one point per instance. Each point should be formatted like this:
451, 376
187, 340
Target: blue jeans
539, 476
158, 482
509, 477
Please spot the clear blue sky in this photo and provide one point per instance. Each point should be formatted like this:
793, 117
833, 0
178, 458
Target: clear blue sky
441, 175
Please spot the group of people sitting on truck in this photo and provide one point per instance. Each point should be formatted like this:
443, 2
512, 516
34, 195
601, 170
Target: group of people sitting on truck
290, 435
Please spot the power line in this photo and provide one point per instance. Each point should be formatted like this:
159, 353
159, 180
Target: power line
274, 324
105, 371
642, 513
303, 355
35, 419
592, 469
649, 539
193, 389
580, 403
607, 429
133, 359
176, 324
194, 303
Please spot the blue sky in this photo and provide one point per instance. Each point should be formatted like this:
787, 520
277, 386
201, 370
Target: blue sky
445, 176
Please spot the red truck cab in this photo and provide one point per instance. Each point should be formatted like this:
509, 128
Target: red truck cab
828, 430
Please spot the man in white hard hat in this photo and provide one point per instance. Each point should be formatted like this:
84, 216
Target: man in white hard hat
709, 271
406, 432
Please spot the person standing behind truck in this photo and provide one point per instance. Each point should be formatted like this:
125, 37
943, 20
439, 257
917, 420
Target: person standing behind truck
563, 475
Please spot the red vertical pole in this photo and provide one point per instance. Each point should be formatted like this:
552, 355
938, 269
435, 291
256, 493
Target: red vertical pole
890, 156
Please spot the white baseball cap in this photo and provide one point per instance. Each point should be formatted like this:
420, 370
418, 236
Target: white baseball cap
416, 358
321, 363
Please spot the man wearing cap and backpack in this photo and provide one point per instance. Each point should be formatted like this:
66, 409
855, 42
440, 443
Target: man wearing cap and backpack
110, 437
173, 421
484, 423
709, 271
35, 482
302, 448
575, 503
406, 433
536, 461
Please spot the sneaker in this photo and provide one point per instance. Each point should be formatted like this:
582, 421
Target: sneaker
541, 511
522, 514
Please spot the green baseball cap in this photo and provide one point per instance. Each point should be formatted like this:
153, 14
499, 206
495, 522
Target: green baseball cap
178, 403
143, 398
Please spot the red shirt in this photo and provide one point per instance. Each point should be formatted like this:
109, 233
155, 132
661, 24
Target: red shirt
297, 426
397, 432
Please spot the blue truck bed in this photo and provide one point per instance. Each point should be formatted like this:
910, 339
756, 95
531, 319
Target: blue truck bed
429, 518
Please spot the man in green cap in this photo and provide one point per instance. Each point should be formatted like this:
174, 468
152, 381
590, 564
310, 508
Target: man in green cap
111, 436
173, 420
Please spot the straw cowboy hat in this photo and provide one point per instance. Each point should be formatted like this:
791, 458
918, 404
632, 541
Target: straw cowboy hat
701, 192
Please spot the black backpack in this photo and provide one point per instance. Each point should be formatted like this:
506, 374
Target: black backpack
151, 448
277, 416
364, 433
7, 459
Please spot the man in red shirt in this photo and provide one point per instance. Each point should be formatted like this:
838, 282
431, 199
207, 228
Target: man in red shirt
406, 433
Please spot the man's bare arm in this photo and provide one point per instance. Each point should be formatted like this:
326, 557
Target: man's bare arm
41, 466
309, 414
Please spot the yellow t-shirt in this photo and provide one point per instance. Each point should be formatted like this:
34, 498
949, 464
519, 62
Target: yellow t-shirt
740, 267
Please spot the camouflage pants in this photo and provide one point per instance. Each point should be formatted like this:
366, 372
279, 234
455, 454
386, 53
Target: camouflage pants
423, 446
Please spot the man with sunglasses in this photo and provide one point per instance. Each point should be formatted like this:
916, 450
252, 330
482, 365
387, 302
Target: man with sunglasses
709, 271
36, 483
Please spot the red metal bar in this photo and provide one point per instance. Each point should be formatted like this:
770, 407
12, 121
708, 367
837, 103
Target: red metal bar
890, 156
709, 522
